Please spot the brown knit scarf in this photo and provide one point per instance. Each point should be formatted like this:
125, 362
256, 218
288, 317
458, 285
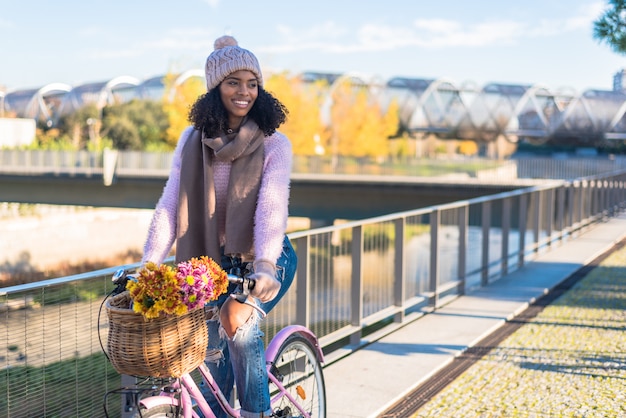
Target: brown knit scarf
198, 226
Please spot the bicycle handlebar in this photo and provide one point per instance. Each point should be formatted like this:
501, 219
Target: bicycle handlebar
244, 283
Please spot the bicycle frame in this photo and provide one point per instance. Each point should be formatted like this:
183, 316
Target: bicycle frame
189, 389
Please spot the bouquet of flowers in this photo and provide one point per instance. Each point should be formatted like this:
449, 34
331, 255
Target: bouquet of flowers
163, 289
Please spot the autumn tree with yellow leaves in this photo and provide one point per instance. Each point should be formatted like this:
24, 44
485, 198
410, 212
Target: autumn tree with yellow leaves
303, 101
177, 100
360, 127
357, 125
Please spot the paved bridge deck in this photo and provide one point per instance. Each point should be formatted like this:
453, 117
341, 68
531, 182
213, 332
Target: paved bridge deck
369, 381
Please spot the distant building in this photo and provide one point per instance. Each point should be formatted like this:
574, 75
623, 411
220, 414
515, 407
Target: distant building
16, 132
619, 80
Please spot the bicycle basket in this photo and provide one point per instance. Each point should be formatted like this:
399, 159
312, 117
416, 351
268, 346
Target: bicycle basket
168, 346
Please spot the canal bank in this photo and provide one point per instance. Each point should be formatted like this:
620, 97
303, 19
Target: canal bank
51, 236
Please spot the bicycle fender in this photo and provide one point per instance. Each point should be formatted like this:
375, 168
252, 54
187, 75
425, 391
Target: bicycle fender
283, 334
153, 401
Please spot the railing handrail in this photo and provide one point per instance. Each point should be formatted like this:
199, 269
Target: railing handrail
145, 163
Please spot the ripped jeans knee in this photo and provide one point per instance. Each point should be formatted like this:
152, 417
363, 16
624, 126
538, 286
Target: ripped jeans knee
240, 358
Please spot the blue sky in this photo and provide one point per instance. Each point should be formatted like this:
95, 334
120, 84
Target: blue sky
546, 42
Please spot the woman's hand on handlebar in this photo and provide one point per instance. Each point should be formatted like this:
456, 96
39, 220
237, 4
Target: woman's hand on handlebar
261, 284
266, 286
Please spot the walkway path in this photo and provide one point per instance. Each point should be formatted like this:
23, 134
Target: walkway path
569, 360
370, 381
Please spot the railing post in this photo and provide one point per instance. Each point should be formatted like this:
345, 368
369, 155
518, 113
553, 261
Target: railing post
580, 199
560, 211
536, 220
486, 223
109, 163
523, 219
303, 306
435, 219
506, 230
356, 291
549, 215
586, 202
462, 260
399, 277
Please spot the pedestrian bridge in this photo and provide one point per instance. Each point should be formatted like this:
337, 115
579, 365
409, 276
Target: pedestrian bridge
136, 180
441, 107
355, 283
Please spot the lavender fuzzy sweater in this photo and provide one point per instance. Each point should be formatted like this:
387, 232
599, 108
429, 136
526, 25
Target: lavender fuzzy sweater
271, 211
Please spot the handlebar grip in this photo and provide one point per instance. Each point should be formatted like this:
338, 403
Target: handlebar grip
119, 279
118, 276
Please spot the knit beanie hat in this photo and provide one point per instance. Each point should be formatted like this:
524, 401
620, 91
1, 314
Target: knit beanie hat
227, 58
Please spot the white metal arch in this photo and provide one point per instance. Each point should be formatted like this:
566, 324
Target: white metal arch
616, 119
37, 104
183, 77
530, 95
407, 92
352, 77
571, 107
433, 90
107, 94
193, 73
491, 127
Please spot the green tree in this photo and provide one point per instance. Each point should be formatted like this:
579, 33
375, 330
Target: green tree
123, 134
80, 126
610, 27
135, 125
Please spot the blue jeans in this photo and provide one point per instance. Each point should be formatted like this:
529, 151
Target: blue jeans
241, 359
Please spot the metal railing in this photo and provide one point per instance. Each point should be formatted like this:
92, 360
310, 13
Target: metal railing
355, 282
141, 163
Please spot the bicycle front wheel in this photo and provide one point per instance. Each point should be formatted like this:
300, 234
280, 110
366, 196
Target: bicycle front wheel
297, 368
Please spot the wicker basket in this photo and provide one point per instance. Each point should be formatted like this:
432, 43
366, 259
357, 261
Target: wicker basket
167, 346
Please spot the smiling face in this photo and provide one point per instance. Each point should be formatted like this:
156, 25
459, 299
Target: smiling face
238, 92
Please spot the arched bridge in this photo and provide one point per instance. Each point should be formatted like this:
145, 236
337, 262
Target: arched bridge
441, 107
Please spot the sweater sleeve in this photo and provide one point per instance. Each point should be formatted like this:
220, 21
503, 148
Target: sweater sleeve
162, 230
272, 206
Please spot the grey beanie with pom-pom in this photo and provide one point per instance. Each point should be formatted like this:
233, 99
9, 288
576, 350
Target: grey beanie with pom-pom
227, 58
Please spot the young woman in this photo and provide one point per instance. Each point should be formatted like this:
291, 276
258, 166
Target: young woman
227, 197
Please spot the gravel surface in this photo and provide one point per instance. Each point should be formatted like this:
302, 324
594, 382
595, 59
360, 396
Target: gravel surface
568, 361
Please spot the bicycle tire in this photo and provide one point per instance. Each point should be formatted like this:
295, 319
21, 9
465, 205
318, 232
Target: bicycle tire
297, 367
159, 411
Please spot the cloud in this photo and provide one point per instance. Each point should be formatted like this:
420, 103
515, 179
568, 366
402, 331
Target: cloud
444, 34
93, 31
179, 41
212, 3
190, 40
109, 54
582, 21
6, 24
332, 37
321, 37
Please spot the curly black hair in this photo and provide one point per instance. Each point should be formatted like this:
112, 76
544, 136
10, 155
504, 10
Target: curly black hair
209, 115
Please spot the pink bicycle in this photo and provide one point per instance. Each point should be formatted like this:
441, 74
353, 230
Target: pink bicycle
294, 364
